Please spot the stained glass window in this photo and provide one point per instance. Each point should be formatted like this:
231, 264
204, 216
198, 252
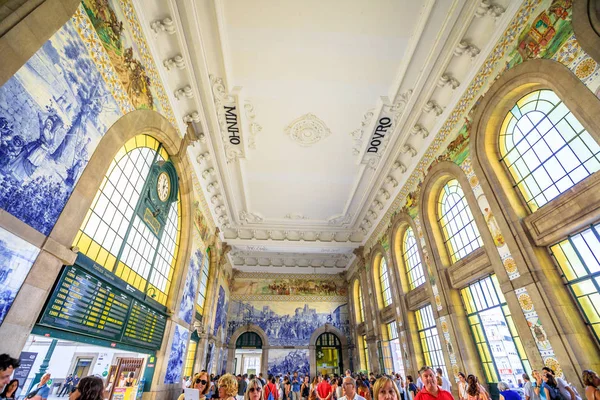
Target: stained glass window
412, 260
190, 358
545, 148
359, 302
498, 343
364, 351
201, 299
456, 220
578, 257
392, 354
115, 237
386, 291
430, 340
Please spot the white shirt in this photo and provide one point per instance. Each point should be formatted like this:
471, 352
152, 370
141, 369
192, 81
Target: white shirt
446, 385
562, 388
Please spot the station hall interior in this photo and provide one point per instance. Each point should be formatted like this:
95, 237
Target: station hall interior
298, 186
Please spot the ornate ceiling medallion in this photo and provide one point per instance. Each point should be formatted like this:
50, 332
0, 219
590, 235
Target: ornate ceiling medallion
307, 130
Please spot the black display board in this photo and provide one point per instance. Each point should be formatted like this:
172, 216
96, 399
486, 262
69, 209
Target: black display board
84, 303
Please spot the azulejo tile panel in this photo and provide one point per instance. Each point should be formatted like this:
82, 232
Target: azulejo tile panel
177, 354
16, 258
53, 113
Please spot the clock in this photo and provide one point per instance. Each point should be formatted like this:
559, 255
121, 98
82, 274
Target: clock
163, 186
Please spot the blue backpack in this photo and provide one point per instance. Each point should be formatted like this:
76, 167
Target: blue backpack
270, 396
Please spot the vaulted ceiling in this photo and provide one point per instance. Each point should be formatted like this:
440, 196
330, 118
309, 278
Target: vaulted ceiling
313, 113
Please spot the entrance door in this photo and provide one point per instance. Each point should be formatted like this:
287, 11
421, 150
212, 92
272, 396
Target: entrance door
248, 352
82, 368
329, 354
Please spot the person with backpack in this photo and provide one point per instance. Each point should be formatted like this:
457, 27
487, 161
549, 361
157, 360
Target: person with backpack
550, 388
270, 390
568, 392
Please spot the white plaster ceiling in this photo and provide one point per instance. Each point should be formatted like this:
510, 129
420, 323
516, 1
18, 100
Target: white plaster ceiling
301, 205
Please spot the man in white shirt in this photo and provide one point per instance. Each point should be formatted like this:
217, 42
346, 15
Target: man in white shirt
446, 385
350, 389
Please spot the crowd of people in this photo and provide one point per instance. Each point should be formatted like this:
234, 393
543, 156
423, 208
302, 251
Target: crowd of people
428, 385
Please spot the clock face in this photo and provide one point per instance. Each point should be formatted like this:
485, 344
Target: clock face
163, 186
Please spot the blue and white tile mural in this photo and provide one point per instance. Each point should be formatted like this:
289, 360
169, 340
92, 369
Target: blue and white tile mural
221, 311
186, 307
16, 258
288, 323
53, 112
283, 361
177, 354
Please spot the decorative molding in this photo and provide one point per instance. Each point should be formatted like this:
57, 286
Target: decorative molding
223, 99
376, 204
448, 80
212, 187
255, 128
247, 217
295, 216
432, 105
384, 193
175, 62
163, 25
185, 91
274, 297
341, 219
465, 47
237, 274
204, 157
217, 198
418, 129
359, 133
487, 8
208, 172
307, 130
407, 148
398, 165
193, 117
389, 180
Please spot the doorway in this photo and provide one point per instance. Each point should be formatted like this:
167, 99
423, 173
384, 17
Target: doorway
329, 354
248, 354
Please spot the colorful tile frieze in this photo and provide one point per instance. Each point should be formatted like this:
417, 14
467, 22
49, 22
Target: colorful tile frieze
149, 63
537, 330
507, 259
449, 347
92, 42
405, 356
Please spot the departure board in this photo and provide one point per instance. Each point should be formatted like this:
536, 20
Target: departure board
81, 303
145, 327
84, 303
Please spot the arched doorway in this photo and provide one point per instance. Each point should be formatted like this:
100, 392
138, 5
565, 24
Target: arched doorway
248, 354
328, 351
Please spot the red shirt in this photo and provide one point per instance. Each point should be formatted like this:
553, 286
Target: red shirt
323, 389
270, 388
442, 395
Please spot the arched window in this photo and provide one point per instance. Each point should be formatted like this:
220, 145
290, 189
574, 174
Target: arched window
461, 235
545, 148
201, 299
141, 251
412, 260
358, 302
386, 291
579, 259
